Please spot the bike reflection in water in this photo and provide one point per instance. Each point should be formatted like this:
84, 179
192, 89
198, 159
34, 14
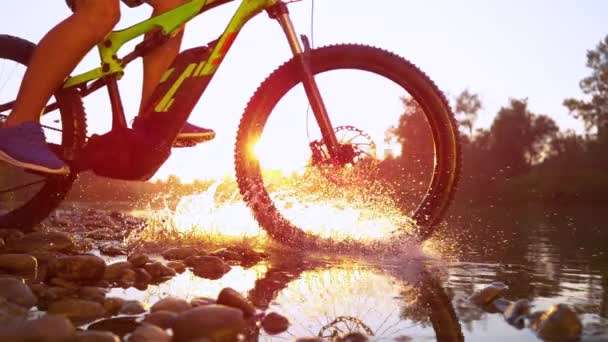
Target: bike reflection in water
334, 300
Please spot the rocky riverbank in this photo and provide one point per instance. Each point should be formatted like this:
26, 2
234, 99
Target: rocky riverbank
55, 281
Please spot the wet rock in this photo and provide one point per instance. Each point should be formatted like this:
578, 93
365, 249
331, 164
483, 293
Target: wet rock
96, 294
87, 268
64, 283
142, 276
181, 253
114, 271
16, 292
215, 322
233, 298
96, 336
132, 307
19, 264
41, 241
177, 266
101, 234
77, 310
120, 326
308, 339
112, 249
49, 328
138, 260
158, 270
162, 319
9, 235
149, 332
516, 313
200, 301
171, 304
112, 305
127, 278
209, 267
273, 323
226, 255
11, 312
559, 323
488, 294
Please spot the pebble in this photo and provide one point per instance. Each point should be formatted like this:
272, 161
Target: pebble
138, 260
273, 323
41, 241
177, 266
158, 271
162, 319
142, 276
120, 326
171, 304
209, 267
488, 294
114, 271
96, 294
216, 322
559, 323
48, 328
19, 264
149, 333
200, 301
516, 312
181, 253
16, 292
233, 298
87, 268
112, 305
77, 310
96, 336
112, 250
132, 307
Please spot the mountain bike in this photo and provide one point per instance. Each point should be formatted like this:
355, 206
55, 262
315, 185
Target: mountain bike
341, 160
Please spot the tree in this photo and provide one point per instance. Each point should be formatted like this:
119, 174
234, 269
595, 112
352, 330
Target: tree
594, 112
467, 106
518, 138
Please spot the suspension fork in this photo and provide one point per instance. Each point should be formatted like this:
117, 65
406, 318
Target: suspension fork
302, 56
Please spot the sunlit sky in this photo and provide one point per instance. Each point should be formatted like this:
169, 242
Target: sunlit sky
500, 49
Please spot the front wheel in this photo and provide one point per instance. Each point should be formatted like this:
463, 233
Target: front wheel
392, 123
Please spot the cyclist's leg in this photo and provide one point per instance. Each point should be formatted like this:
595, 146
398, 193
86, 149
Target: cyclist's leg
65, 45
157, 61
22, 141
155, 64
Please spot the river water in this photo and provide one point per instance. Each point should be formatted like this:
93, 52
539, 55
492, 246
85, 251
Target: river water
545, 255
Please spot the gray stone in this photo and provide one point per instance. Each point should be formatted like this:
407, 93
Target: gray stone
149, 332
87, 268
235, 299
77, 310
16, 292
273, 323
216, 322
171, 304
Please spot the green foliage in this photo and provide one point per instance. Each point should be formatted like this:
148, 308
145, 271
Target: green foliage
594, 112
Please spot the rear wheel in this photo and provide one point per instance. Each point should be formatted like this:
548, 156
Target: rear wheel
399, 160
26, 197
